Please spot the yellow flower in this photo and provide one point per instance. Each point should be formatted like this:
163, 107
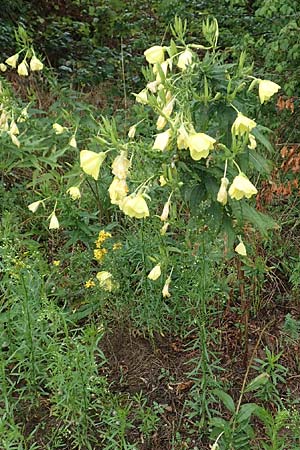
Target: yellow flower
90, 162
34, 206
164, 67
155, 273
222, 194
162, 140
182, 138
15, 140
135, 206
72, 142
155, 54
241, 187
36, 64
161, 122
132, 131
142, 97
164, 228
241, 249
103, 235
54, 224
22, 69
117, 190
74, 192
13, 129
185, 59
166, 209
12, 60
152, 86
99, 253
253, 143
117, 246
242, 125
58, 128
105, 280
90, 283
3, 67
266, 89
162, 180
165, 291
167, 111
56, 262
120, 166
200, 144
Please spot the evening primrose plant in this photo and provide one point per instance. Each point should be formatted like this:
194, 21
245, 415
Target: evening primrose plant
203, 141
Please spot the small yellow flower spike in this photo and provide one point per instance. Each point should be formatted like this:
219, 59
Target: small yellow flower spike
135, 206
241, 187
155, 273
120, 166
155, 54
22, 69
200, 144
3, 67
105, 280
56, 262
90, 162
117, 190
165, 291
185, 59
266, 89
12, 60
241, 249
54, 224
36, 64
74, 192
162, 140
34, 206
222, 194
242, 125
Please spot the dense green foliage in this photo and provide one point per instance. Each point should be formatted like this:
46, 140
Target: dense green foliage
205, 356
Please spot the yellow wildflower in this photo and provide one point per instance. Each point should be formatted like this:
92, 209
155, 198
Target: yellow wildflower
131, 132
56, 262
162, 140
90, 162
155, 273
54, 224
22, 69
242, 125
155, 54
36, 64
120, 166
12, 60
117, 246
241, 187
253, 143
74, 192
99, 253
266, 89
117, 190
222, 194
241, 249
102, 236
182, 138
200, 144
134, 206
185, 59
142, 97
105, 280
164, 228
34, 206
165, 291
58, 128
90, 283
3, 67
72, 142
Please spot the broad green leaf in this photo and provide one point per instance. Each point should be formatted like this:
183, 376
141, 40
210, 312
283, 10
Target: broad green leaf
246, 412
258, 381
226, 399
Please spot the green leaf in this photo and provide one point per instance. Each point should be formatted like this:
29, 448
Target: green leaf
262, 139
246, 213
226, 399
246, 412
258, 381
262, 165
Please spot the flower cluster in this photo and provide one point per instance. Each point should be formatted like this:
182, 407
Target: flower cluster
23, 67
100, 251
